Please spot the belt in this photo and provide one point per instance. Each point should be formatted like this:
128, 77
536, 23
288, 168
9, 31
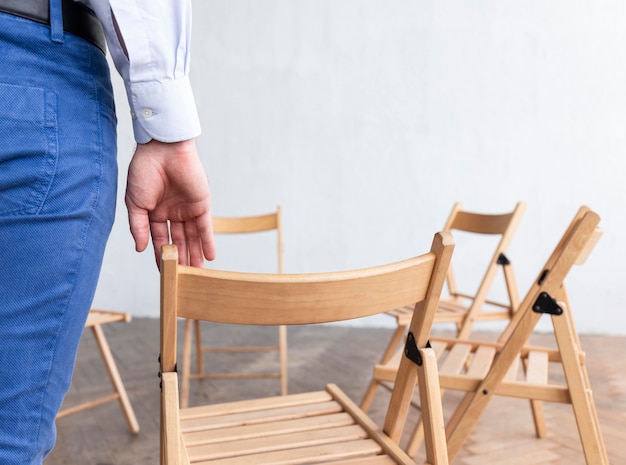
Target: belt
77, 18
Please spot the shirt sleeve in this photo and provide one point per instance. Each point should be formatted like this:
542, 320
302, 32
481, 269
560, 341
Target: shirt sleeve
149, 42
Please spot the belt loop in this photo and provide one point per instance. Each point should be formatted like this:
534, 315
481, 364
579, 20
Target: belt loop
56, 21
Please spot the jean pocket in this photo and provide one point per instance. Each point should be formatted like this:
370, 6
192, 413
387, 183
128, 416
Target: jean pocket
28, 148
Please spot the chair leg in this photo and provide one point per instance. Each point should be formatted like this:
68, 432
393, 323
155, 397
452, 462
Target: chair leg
366, 403
580, 392
199, 352
432, 410
395, 340
186, 368
417, 439
536, 408
282, 349
116, 380
418, 433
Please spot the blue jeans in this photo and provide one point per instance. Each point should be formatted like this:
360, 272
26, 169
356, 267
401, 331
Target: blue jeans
58, 176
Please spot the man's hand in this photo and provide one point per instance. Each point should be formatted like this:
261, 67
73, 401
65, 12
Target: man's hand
166, 182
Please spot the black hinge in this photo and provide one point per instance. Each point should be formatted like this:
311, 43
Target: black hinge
411, 351
503, 260
542, 277
160, 373
546, 304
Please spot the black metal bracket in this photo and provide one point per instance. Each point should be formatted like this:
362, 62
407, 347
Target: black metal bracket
546, 304
411, 351
503, 260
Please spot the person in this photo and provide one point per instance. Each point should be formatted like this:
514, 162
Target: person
58, 177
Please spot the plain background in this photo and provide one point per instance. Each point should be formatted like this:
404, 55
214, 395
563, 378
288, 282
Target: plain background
366, 120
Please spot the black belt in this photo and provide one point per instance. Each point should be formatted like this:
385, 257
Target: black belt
77, 18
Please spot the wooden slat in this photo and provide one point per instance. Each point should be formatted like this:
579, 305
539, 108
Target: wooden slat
241, 349
455, 359
251, 375
305, 455
452, 305
387, 444
520, 389
537, 368
254, 404
481, 362
276, 443
376, 460
260, 416
548, 393
274, 428
438, 347
511, 373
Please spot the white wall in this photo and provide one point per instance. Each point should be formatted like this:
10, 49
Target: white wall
366, 120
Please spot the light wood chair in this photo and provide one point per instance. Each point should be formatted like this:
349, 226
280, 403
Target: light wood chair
305, 428
513, 368
457, 307
237, 225
95, 320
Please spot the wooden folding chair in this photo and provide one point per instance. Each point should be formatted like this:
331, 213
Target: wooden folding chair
95, 320
237, 225
457, 307
306, 428
513, 368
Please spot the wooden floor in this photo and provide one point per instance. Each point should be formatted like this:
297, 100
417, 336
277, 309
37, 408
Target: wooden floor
504, 434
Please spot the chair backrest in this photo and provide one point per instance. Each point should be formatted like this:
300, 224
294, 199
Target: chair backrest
504, 225
253, 224
542, 298
284, 299
573, 249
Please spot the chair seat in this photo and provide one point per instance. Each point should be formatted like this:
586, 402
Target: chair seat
451, 310
100, 317
463, 365
317, 427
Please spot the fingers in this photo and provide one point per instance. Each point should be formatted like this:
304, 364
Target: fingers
139, 226
196, 257
179, 238
160, 237
205, 233
193, 238
187, 238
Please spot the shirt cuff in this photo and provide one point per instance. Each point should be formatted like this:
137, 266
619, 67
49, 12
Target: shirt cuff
163, 110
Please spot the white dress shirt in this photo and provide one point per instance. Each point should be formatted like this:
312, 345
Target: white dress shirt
149, 41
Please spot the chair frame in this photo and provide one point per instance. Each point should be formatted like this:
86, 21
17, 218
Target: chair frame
573, 248
459, 308
237, 225
95, 320
203, 294
484, 369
